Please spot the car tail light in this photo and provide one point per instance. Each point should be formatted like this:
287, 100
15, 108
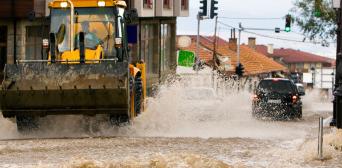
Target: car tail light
294, 99
255, 97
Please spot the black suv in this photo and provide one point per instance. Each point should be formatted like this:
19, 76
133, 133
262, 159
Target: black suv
277, 98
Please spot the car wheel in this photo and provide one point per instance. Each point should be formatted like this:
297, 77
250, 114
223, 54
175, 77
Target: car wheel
255, 113
300, 113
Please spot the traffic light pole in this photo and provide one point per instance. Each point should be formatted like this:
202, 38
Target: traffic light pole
197, 42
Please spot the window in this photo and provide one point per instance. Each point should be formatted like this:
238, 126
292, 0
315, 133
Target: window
279, 86
149, 48
33, 44
185, 4
167, 4
148, 4
165, 46
99, 28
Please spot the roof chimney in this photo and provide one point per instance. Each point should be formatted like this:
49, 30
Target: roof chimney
232, 44
270, 49
252, 42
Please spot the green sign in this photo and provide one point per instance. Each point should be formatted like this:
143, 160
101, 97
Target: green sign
186, 58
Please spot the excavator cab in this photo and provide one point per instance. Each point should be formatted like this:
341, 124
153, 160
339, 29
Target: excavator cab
86, 73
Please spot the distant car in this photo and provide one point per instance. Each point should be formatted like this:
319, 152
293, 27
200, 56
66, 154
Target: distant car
277, 98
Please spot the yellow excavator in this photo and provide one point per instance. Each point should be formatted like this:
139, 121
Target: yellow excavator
87, 70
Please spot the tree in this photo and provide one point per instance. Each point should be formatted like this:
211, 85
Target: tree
322, 27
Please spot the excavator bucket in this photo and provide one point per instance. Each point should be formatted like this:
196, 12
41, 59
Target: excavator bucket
39, 89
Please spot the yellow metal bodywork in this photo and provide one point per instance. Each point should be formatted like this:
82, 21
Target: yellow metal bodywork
87, 3
134, 70
98, 53
74, 56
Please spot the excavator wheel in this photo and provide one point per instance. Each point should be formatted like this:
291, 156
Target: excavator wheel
138, 92
27, 124
118, 120
123, 119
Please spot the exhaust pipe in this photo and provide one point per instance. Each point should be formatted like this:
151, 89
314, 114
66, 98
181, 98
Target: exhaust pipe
82, 48
53, 47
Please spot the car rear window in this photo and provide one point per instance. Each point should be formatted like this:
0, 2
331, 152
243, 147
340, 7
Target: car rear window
279, 86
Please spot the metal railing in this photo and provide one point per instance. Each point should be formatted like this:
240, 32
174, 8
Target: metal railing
66, 61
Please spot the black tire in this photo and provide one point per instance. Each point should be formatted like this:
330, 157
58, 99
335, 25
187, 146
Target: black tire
300, 113
118, 120
27, 124
138, 93
255, 113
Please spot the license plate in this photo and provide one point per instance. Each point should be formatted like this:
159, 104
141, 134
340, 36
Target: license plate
274, 101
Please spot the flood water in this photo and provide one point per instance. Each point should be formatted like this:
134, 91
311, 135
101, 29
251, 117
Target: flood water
176, 131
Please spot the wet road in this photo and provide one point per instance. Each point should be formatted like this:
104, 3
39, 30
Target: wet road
166, 136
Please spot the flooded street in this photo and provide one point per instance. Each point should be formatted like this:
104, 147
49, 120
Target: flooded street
175, 133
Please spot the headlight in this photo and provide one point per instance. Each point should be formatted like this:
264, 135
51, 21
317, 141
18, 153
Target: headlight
64, 4
101, 3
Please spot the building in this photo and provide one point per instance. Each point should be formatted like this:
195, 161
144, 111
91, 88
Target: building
153, 35
297, 61
255, 63
301, 63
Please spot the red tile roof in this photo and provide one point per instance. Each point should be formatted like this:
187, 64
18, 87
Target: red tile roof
295, 56
254, 62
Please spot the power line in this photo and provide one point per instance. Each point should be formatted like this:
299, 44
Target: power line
272, 37
246, 18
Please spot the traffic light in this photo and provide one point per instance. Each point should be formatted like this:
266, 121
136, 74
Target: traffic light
203, 8
317, 11
213, 8
239, 70
288, 23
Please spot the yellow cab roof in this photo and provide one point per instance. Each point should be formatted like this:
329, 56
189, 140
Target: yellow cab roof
86, 3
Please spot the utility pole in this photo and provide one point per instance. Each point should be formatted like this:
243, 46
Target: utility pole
201, 14
239, 43
215, 44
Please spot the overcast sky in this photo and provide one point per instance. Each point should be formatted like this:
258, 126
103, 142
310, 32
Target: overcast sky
252, 9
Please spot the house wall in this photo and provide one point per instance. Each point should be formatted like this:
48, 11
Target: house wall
303, 67
21, 27
17, 8
162, 10
179, 10
144, 11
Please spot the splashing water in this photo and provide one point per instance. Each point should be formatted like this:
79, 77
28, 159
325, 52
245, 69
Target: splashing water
172, 114
167, 115
226, 129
